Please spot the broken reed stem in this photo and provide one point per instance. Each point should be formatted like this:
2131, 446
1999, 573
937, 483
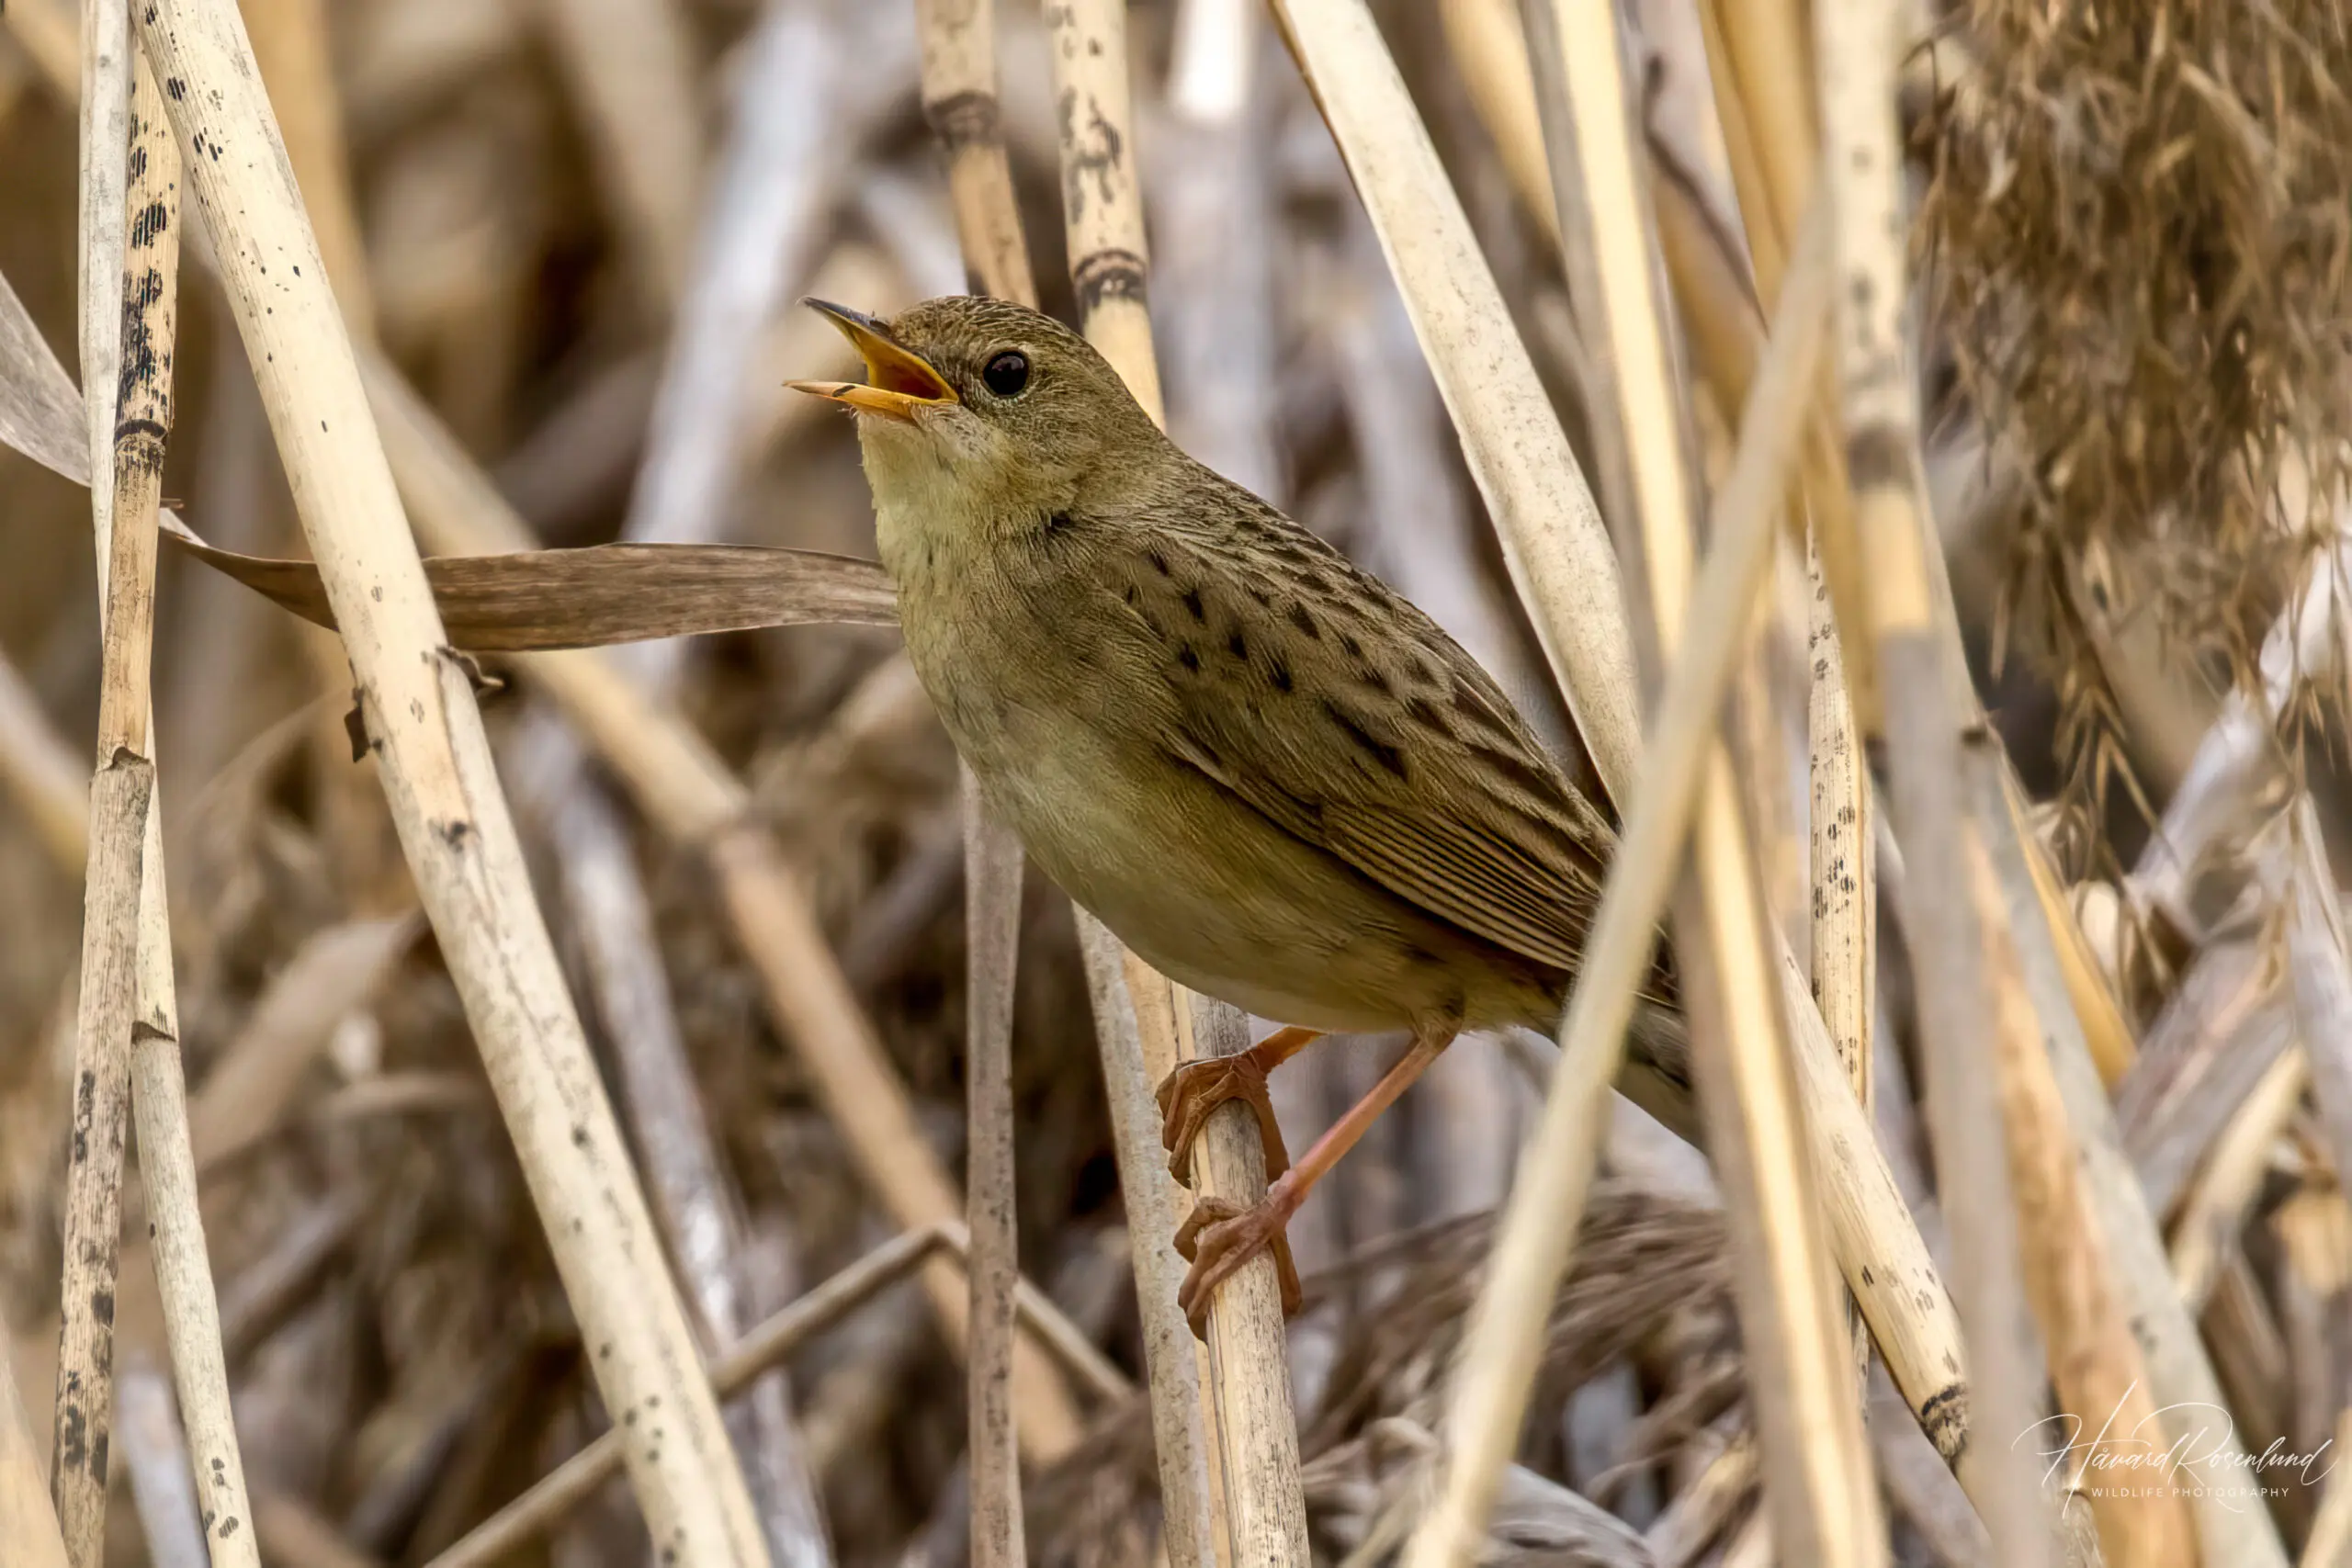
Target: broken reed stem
150, 295
2095, 1362
686, 792
27, 1521
1532, 1247
1249, 1359
419, 712
1808, 1410
991, 935
1863, 168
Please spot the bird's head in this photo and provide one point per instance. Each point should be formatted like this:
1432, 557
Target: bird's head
1007, 409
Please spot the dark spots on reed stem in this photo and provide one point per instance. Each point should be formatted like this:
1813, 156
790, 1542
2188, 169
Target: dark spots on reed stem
963, 120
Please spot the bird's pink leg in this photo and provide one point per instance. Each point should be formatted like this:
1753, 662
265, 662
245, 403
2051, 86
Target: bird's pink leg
1188, 1095
1219, 1238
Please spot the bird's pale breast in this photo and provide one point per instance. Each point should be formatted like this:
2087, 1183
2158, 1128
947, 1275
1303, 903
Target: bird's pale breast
1065, 714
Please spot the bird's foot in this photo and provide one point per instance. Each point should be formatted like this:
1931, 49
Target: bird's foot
1187, 1096
1218, 1237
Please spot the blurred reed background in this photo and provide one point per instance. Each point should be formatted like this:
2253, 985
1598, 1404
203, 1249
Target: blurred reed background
565, 237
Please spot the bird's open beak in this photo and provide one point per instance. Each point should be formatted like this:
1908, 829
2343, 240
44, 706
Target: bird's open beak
897, 381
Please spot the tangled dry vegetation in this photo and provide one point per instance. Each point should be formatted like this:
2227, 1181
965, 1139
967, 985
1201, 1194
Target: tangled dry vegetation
564, 236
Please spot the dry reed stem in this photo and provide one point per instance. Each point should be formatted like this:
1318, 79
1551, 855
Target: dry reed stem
1214, 214
2214, 1210
1843, 917
958, 76
959, 101
1558, 554
555, 1494
454, 824
1863, 169
2095, 1362
1700, 1509
807, 87
630, 65
156, 1462
1807, 1408
687, 794
123, 502
693, 1199
1756, 66
144, 418
992, 920
1533, 1249
139, 401
28, 1522
1425, 236
1248, 1374
1845, 851
2179, 1375
2303, 884
290, 42
290, 47
1189, 1495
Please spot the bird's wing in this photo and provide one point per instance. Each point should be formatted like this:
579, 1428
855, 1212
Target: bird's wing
1333, 707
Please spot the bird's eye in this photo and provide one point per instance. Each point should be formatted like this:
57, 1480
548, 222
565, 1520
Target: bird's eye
1007, 374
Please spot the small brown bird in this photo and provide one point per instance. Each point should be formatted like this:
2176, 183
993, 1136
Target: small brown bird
1271, 776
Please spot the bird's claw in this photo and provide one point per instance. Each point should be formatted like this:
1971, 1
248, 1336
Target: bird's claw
1218, 1237
1187, 1096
